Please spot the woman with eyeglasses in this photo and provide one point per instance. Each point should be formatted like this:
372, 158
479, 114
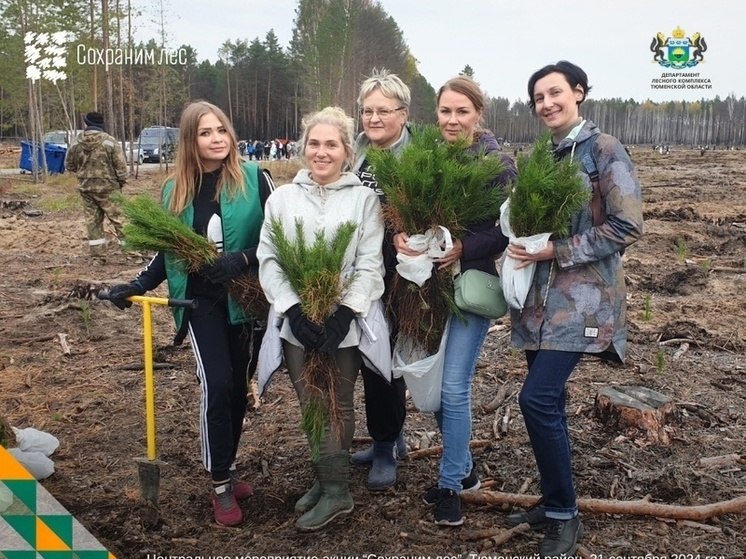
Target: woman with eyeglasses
384, 110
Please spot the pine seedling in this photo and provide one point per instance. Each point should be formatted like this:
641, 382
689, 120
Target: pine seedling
705, 266
150, 228
315, 273
660, 360
547, 193
681, 249
433, 183
647, 311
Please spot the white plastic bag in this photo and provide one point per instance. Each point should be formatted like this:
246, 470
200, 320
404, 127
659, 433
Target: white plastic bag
422, 373
435, 243
374, 345
517, 283
33, 440
36, 463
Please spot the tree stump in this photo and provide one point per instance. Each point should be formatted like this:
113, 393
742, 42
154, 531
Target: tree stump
636, 407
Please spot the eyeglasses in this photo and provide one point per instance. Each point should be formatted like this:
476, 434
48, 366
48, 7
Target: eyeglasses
383, 114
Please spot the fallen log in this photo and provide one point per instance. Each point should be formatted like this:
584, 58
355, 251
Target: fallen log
496, 537
724, 461
436, 450
640, 507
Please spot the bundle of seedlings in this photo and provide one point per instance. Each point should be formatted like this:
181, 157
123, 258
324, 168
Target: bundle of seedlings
151, 228
432, 183
547, 193
315, 274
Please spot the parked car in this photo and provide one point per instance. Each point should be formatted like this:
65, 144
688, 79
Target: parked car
62, 138
156, 143
136, 151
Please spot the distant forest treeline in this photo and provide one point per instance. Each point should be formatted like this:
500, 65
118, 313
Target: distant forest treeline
264, 87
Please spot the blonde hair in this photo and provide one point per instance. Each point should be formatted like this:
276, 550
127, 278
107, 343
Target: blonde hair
336, 117
390, 85
188, 167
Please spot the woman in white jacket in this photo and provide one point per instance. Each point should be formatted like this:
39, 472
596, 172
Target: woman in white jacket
324, 196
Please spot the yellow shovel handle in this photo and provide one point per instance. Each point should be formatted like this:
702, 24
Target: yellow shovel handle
147, 330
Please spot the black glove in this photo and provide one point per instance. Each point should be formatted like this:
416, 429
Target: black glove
119, 293
305, 331
336, 328
226, 267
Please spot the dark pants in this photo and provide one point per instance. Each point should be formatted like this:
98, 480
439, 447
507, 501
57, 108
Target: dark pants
385, 405
542, 400
227, 357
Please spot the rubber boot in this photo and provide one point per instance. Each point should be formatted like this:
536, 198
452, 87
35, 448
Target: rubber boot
333, 473
383, 472
309, 500
365, 457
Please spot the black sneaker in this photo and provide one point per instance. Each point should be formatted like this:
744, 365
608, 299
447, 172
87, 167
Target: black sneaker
469, 483
561, 537
448, 508
534, 516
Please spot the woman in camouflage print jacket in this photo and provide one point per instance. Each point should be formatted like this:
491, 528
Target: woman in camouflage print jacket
577, 301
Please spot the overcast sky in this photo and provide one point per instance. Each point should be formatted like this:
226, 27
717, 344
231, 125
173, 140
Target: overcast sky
504, 41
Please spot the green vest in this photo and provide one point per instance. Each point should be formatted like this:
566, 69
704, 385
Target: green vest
241, 218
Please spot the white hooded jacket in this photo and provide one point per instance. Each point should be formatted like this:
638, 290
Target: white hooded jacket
323, 208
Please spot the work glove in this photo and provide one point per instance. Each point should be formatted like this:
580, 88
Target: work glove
305, 331
336, 328
119, 293
226, 267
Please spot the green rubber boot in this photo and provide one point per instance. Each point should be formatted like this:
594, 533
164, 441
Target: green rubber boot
333, 474
310, 499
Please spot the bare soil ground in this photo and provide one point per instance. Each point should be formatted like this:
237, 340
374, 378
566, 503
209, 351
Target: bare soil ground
687, 280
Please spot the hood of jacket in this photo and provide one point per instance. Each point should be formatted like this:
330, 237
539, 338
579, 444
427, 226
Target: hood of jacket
347, 179
485, 144
92, 139
362, 143
587, 130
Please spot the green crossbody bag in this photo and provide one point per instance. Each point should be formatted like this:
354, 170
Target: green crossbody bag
479, 293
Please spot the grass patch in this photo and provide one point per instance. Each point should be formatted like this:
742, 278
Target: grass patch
60, 204
283, 171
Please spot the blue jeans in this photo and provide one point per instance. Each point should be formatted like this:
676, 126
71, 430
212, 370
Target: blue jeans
542, 400
463, 347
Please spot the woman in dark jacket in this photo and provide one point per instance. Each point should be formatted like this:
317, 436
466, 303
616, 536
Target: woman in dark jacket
460, 106
222, 198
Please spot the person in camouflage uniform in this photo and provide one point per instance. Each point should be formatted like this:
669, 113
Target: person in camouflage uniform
577, 301
98, 162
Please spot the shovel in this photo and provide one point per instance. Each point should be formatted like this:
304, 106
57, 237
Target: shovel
149, 468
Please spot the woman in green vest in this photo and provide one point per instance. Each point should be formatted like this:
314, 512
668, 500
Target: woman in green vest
221, 197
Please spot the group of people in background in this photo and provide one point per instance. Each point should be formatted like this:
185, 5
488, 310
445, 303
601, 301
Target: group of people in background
576, 304
267, 150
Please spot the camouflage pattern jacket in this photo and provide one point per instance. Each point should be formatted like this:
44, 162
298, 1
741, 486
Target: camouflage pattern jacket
98, 161
577, 302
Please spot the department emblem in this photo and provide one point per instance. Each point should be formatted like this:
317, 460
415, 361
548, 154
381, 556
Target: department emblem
678, 51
